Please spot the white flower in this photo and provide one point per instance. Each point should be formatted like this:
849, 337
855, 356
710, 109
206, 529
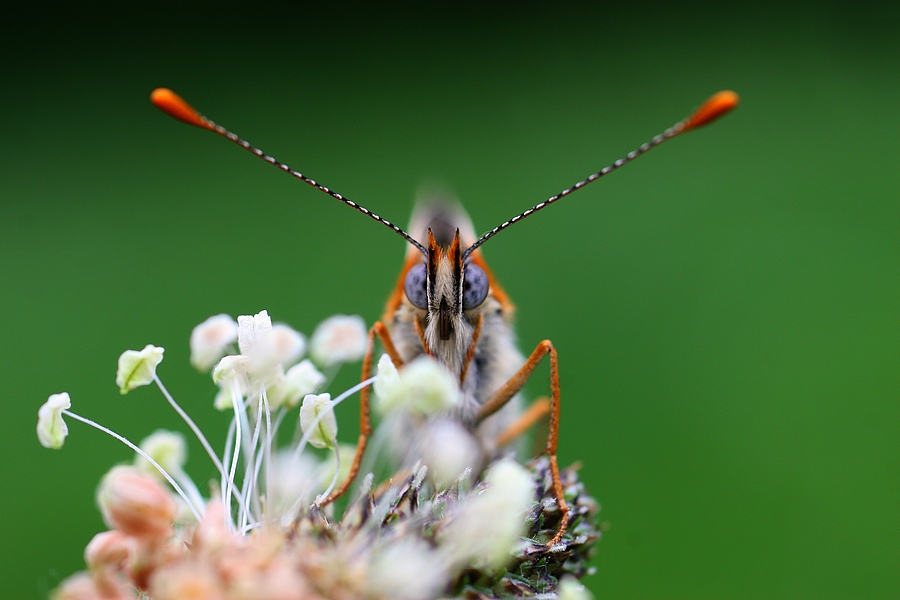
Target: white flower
51, 429
407, 569
450, 451
425, 387
289, 344
293, 482
488, 528
210, 340
255, 335
388, 377
317, 420
230, 374
288, 388
339, 339
137, 369
266, 530
571, 589
167, 448
230, 368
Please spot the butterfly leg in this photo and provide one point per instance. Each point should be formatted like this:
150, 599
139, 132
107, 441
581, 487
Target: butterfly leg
365, 420
510, 389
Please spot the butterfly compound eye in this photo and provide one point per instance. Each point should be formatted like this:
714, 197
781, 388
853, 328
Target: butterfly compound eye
475, 286
415, 286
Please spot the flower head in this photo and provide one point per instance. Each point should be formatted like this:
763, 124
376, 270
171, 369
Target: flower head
451, 527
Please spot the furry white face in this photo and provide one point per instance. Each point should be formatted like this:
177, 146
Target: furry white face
440, 287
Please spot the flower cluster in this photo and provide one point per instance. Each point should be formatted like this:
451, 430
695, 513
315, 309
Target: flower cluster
436, 530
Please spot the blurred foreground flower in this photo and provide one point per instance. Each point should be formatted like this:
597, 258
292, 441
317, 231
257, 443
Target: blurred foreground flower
434, 529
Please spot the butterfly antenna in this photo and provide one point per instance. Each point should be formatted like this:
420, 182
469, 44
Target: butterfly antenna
719, 104
172, 104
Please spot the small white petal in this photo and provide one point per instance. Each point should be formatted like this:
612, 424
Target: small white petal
290, 387
293, 483
425, 387
230, 368
211, 339
255, 335
289, 344
321, 434
138, 368
407, 569
489, 526
167, 448
388, 377
231, 377
339, 339
450, 451
571, 589
51, 429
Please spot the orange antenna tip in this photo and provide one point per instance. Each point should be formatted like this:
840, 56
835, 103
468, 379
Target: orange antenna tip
173, 105
719, 104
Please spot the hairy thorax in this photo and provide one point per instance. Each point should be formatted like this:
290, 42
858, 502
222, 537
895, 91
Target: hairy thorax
494, 362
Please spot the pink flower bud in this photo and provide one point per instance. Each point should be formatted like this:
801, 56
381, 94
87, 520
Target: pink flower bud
135, 504
186, 580
108, 549
83, 586
211, 534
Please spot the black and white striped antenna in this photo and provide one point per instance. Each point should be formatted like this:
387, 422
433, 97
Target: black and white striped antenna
716, 106
172, 104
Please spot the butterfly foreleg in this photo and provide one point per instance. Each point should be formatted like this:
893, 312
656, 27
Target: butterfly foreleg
365, 419
510, 389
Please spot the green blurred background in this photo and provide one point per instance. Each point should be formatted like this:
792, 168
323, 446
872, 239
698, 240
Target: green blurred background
725, 309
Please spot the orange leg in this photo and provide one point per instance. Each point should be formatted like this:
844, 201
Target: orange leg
365, 421
510, 389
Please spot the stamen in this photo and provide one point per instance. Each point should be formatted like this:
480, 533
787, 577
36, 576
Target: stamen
193, 426
302, 445
230, 480
197, 513
337, 472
